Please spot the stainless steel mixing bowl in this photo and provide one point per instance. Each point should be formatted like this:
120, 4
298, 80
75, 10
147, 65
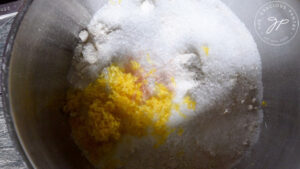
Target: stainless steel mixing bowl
38, 56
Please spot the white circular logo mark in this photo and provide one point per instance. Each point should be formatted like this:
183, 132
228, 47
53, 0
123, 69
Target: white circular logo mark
276, 23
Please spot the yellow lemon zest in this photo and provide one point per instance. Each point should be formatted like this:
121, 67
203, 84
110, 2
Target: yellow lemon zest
173, 81
135, 65
206, 50
176, 107
191, 104
149, 59
114, 2
114, 106
180, 131
150, 73
182, 115
264, 103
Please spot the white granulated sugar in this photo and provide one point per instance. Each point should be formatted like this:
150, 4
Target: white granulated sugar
211, 55
83, 35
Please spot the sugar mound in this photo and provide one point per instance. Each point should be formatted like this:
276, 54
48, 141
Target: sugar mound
206, 51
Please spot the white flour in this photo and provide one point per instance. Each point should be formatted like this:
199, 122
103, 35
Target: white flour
211, 56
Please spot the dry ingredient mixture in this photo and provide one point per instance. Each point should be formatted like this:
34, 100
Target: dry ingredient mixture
165, 84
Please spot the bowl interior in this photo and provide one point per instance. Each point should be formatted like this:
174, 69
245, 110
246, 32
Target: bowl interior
40, 60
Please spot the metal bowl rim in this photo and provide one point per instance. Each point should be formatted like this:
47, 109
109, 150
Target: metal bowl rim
4, 85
